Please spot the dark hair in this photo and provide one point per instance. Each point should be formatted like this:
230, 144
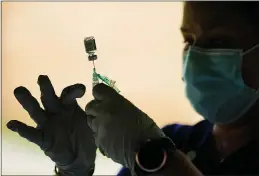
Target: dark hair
248, 9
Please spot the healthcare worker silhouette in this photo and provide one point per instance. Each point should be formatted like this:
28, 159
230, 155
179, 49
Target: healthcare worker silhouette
221, 76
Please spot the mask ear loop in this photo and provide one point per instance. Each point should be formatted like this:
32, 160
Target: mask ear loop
247, 52
194, 41
251, 49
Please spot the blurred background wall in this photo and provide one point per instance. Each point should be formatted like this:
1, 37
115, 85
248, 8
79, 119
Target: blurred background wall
139, 46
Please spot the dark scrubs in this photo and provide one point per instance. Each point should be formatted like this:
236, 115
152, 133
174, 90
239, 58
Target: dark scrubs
198, 144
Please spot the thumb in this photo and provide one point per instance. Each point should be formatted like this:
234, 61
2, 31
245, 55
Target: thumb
103, 92
31, 134
70, 93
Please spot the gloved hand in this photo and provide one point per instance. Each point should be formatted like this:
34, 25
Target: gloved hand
119, 126
62, 131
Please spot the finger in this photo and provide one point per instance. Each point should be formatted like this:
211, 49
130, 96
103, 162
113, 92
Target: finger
49, 99
100, 109
70, 93
30, 104
92, 109
92, 123
27, 132
103, 92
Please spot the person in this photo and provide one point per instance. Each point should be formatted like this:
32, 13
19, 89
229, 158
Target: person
220, 72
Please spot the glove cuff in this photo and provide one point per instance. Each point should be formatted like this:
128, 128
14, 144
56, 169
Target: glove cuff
76, 168
79, 172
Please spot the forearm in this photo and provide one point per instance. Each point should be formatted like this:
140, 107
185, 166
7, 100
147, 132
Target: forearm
178, 164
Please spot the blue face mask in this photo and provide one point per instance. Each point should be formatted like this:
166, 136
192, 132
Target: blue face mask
214, 84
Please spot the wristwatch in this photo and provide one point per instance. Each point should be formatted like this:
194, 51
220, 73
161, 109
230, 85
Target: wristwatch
153, 155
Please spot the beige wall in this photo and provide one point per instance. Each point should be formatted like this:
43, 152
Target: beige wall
139, 46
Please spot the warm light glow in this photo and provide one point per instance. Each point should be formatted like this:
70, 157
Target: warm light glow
139, 46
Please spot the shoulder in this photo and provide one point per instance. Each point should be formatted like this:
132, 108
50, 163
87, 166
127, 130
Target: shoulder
184, 135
